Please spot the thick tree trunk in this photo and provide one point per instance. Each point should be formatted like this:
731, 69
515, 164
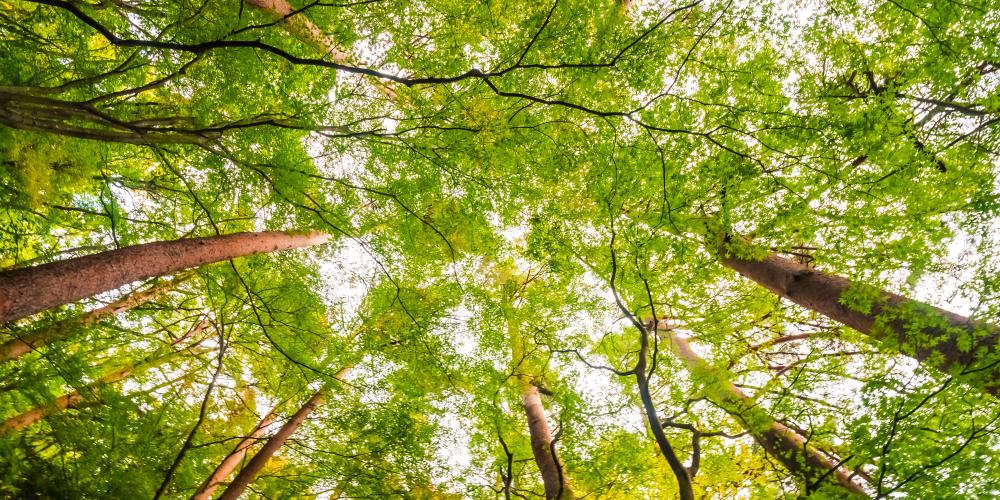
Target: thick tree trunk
27, 291
15, 348
75, 398
553, 475
275, 442
229, 464
945, 340
780, 442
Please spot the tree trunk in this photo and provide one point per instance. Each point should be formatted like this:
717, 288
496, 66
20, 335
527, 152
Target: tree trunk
34, 415
23, 344
780, 442
21, 110
229, 464
30, 290
945, 340
684, 488
301, 27
553, 476
75, 398
275, 442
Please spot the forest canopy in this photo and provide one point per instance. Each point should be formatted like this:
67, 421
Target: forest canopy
433, 249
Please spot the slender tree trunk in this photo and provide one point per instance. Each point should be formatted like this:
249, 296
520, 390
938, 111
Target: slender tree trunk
22, 110
301, 27
275, 442
30, 290
15, 348
553, 476
780, 442
229, 464
34, 415
945, 340
75, 398
684, 487
196, 329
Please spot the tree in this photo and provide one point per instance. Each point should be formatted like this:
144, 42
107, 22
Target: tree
784, 444
29, 341
947, 341
449, 150
249, 473
28, 291
259, 460
554, 476
232, 460
77, 397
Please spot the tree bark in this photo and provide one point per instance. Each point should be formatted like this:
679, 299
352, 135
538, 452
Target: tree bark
30, 290
301, 27
23, 344
275, 442
684, 487
553, 476
944, 340
75, 398
780, 442
21, 110
229, 464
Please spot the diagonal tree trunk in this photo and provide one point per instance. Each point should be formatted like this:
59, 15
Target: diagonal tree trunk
229, 464
780, 442
684, 488
300, 26
23, 344
75, 398
942, 339
21, 110
249, 473
30, 290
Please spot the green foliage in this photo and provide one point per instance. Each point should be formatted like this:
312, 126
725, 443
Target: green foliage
509, 186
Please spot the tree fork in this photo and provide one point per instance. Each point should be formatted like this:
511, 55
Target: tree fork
952, 343
27, 291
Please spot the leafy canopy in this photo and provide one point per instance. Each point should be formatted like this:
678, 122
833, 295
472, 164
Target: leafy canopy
560, 166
